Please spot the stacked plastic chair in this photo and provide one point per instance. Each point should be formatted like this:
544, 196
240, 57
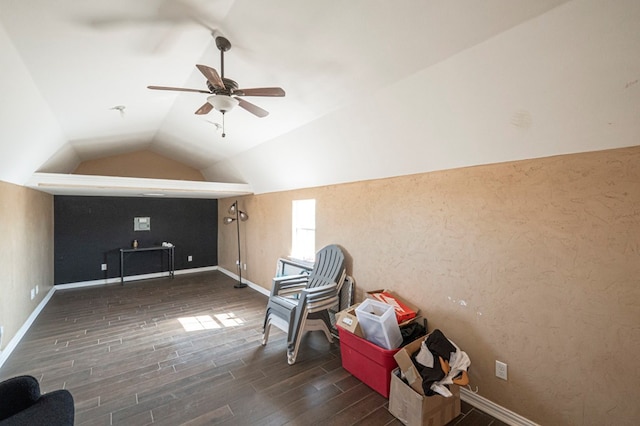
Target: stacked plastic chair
302, 303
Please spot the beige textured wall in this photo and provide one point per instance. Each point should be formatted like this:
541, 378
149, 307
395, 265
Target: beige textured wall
26, 253
140, 164
535, 263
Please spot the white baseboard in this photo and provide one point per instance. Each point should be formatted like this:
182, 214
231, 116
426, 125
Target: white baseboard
81, 284
13, 343
254, 286
493, 409
114, 280
196, 270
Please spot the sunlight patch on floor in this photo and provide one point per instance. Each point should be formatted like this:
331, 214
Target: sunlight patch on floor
206, 322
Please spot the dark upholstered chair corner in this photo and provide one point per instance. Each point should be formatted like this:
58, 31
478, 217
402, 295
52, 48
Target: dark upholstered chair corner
21, 403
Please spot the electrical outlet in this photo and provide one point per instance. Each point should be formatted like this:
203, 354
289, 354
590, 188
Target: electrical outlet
33, 293
245, 266
37, 289
190, 259
103, 267
1, 333
501, 370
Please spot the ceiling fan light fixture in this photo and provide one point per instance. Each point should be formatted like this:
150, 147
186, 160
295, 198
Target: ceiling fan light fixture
222, 103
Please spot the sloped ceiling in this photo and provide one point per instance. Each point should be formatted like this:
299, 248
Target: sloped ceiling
373, 89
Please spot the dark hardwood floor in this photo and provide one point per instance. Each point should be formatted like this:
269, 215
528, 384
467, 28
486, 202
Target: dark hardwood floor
187, 351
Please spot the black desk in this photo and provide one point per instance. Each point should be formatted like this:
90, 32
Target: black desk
169, 251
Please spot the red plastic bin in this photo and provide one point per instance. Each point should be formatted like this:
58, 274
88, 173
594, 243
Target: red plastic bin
368, 362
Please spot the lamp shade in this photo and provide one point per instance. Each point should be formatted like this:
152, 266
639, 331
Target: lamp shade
222, 103
227, 220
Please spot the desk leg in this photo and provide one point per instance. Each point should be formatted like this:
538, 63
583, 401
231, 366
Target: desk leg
121, 267
173, 265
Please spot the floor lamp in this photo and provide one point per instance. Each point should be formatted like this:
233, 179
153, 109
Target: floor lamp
237, 215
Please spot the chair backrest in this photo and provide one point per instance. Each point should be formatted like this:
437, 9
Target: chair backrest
328, 268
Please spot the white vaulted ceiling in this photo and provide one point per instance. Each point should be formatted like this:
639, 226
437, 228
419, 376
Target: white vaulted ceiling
373, 88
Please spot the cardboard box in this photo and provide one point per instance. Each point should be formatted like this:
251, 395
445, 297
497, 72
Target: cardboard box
348, 320
408, 402
405, 311
367, 362
415, 409
410, 372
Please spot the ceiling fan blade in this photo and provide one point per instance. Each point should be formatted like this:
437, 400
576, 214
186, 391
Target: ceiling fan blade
178, 89
253, 109
261, 91
212, 76
204, 109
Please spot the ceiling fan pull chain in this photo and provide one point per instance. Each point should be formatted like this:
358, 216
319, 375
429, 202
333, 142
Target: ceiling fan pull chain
223, 133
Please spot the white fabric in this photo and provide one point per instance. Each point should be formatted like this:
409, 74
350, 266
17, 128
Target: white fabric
425, 357
441, 389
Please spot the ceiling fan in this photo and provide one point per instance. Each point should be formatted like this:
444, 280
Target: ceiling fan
224, 92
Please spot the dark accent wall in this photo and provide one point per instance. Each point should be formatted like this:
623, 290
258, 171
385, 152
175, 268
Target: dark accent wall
89, 231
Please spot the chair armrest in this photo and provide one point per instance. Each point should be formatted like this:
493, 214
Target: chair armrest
319, 293
320, 289
288, 284
17, 394
319, 298
291, 291
22, 404
53, 408
285, 278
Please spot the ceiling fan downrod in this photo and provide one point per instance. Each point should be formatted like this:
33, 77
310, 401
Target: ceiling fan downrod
223, 45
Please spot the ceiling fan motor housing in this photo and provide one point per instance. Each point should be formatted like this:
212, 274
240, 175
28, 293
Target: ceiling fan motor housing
230, 87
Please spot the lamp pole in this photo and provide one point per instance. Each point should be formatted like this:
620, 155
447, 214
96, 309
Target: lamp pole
240, 283
239, 216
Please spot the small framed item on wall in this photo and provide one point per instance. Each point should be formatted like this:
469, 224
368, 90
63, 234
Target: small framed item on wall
142, 224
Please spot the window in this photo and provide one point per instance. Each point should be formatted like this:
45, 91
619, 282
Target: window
303, 244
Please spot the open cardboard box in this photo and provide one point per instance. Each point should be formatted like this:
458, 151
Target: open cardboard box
347, 320
408, 402
409, 371
405, 311
415, 409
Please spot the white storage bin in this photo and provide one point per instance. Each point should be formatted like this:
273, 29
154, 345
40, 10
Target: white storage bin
379, 324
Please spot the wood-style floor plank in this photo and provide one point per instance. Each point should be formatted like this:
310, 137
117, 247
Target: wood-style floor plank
186, 351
